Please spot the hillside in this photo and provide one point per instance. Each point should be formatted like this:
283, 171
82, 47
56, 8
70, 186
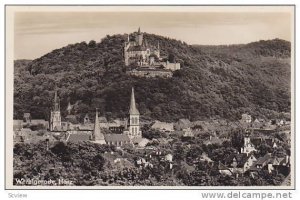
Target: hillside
215, 81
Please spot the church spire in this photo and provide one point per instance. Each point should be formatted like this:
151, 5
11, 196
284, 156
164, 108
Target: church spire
133, 110
97, 135
56, 102
139, 30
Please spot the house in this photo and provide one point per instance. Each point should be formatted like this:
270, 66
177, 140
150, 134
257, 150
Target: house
188, 132
204, 157
163, 126
224, 170
182, 124
17, 125
240, 163
256, 124
213, 140
261, 163
42, 122
270, 163
246, 118
169, 157
140, 142
272, 142
200, 126
72, 119
27, 118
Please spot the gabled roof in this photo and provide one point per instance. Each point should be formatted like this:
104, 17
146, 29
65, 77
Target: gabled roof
222, 167
256, 141
102, 120
263, 160
163, 125
88, 127
116, 138
78, 137
241, 159
38, 121
138, 140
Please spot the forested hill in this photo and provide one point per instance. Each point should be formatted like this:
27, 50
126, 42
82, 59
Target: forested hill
214, 82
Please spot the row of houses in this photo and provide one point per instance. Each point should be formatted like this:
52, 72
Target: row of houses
242, 163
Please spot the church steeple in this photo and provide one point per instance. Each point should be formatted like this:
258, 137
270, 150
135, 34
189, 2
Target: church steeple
134, 118
55, 118
133, 110
56, 106
139, 30
97, 135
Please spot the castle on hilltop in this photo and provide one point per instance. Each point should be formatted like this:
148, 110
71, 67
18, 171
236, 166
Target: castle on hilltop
147, 57
139, 51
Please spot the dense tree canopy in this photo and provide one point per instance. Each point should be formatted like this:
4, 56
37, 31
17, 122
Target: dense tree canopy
215, 81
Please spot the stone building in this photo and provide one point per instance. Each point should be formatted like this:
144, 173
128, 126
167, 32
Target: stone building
138, 50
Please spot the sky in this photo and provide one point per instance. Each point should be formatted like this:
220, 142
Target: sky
37, 33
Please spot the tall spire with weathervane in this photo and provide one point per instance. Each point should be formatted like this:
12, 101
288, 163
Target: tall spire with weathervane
134, 118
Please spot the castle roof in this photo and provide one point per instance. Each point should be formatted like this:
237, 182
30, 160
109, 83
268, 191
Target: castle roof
133, 110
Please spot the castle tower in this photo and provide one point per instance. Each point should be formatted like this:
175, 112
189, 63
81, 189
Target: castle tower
139, 37
97, 136
134, 118
55, 118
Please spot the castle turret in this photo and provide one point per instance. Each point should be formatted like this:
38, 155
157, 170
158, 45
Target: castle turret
134, 118
139, 37
97, 136
55, 118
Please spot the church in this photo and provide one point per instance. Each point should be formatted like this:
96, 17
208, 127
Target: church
131, 132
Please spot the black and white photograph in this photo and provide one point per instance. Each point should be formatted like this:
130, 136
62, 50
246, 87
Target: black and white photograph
141, 97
